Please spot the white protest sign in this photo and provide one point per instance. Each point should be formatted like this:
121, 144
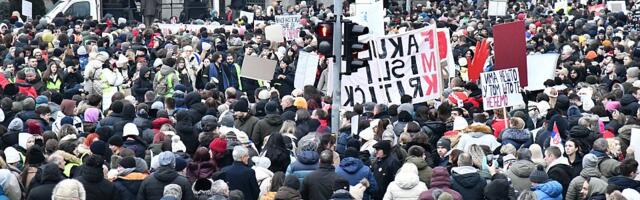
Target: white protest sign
497, 8
635, 143
545, 66
370, 14
561, 4
274, 33
27, 9
258, 68
306, 69
290, 25
249, 16
500, 88
617, 6
399, 64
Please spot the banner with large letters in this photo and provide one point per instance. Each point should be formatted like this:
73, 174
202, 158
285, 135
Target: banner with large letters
406, 63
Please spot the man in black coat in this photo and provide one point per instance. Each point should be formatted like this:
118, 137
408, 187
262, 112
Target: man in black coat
152, 187
626, 180
558, 167
385, 168
241, 177
92, 178
45, 180
319, 183
466, 179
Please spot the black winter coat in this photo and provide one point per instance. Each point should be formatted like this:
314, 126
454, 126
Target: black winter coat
285, 86
129, 185
44, 181
142, 85
318, 185
187, 132
241, 177
470, 185
95, 185
385, 171
563, 174
152, 187
270, 124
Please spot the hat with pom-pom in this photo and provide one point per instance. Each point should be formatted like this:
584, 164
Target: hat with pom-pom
539, 175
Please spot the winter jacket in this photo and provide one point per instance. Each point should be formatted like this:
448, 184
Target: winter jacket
629, 105
270, 124
111, 120
519, 174
467, 181
385, 170
95, 185
585, 136
551, 190
264, 177
624, 182
246, 124
560, 171
406, 185
142, 85
285, 86
479, 134
573, 192
129, 184
608, 166
136, 145
10, 184
424, 171
200, 169
287, 193
152, 187
240, 177
318, 185
46, 179
306, 162
517, 137
354, 170
440, 181
187, 132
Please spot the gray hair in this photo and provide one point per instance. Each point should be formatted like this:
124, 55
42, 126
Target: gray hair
239, 152
220, 187
601, 144
465, 159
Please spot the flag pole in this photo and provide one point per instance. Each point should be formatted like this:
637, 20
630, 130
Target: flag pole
504, 114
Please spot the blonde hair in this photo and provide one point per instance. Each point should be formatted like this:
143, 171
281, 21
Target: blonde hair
288, 127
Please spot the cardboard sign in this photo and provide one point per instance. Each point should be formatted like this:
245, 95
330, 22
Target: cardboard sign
617, 6
400, 64
545, 69
27, 9
290, 26
249, 16
510, 48
498, 8
500, 88
306, 69
445, 51
274, 33
258, 68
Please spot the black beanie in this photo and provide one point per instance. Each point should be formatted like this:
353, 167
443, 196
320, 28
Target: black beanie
241, 106
116, 140
271, 107
117, 106
35, 155
351, 152
497, 189
539, 175
292, 182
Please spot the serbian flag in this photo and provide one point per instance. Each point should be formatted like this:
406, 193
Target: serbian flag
555, 137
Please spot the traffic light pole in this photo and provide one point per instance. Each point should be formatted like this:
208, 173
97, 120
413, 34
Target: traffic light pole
335, 75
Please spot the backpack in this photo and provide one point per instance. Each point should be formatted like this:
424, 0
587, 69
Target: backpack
162, 84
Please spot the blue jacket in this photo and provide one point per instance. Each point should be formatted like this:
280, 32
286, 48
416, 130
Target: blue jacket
354, 170
306, 162
551, 190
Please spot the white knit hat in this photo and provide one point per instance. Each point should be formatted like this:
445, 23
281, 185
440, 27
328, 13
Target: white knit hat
459, 123
367, 134
130, 129
177, 144
13, 156
69, 189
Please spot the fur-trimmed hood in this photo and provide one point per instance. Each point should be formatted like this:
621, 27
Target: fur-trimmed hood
478, 128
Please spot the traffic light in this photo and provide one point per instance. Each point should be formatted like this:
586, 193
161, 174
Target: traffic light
324, 33
352, 46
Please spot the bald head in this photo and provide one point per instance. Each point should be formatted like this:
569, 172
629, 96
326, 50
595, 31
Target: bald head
326, 157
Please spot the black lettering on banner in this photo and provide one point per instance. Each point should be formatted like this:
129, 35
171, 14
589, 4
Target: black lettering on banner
397, 47
386, 90
413, 43
372, 90
400, 87
368, 71
398, 65
416, 84
349, 96
361, 91
387, 72
383, 49
414, 65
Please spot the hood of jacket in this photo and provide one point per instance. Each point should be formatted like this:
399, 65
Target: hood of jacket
419, 162
192, 98
522, 168
165, 70
407, 176
351, 165
308, 157
624, 182
516, 134
560, 161
273, 120
580, 132
165, 174
590, 172
144, 70
440, 178
468, 180
551, 188
50, 173
478, 128
627, 99
285, 192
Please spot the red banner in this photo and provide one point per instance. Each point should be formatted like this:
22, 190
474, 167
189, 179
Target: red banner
510, 48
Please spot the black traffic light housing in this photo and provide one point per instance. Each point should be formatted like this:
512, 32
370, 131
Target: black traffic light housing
324, 33
352, 46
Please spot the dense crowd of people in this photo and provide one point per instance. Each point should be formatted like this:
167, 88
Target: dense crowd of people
118, 110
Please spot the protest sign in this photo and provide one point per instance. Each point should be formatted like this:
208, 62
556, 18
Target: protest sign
510, 48
406, 63
635, 143
27, 9
258, 68
617, 6
445, 51
175, 28
497, 8
561, 4
368, 13
249, 16
306, 69
500, 88
274, 33
290, 26
596, 8
545, 69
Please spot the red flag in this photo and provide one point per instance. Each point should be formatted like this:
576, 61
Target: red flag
477, 65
